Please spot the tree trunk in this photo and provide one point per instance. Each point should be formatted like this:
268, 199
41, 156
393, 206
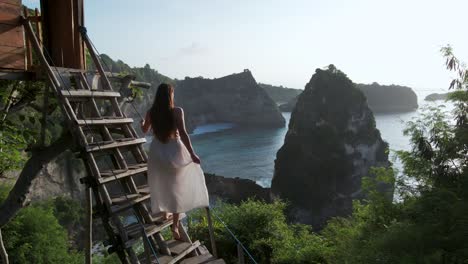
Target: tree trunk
17, 197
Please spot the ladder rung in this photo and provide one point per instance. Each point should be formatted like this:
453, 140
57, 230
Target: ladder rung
123, 203
134, 230
115, 145
104, 121
88, 93
162, 259
198, 259
184, 248
112, 175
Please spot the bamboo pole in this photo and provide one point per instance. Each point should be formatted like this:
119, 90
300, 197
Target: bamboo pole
89, 227
3, 251
211, 231
45, 109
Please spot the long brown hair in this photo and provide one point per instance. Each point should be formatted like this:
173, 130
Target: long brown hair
162, 113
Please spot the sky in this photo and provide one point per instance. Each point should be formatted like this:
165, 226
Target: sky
283, 42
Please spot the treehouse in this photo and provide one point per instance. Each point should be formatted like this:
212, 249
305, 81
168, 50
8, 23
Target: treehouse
50, 45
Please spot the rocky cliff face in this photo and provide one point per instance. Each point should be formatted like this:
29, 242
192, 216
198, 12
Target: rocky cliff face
331, 144
236, 98
235, 190
60, 177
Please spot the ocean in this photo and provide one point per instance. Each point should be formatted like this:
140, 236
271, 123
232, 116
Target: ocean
232, 151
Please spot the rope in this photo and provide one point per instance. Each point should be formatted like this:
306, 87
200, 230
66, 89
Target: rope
83, 31
234, 236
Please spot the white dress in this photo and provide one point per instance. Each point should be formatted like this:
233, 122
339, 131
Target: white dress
177, 184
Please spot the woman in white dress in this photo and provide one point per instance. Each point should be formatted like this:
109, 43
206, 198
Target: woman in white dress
175, 178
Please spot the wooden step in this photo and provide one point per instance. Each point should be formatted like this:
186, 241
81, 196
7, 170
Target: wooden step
183, 248
89, 93
134, 231
123, 202
116, 145
198, 259
104, 121
162, 259
112, 175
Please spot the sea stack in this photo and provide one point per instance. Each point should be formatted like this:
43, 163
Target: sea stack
235, 98
331, 144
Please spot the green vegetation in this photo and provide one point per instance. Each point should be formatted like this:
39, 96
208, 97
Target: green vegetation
280, 94
35, 235
144, 74
263, 228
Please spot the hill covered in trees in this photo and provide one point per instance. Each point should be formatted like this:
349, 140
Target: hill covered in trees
280, 94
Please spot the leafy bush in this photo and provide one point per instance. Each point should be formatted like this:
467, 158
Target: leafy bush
263, 229
35, 236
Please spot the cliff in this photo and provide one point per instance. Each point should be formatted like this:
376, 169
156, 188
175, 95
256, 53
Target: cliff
436, 96
331, 143
389, 98
235, 98
280, 94
380, 98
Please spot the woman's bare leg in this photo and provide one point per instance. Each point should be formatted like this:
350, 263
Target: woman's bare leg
175, 226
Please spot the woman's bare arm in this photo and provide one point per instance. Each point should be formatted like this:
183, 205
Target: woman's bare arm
146, 124
180, 123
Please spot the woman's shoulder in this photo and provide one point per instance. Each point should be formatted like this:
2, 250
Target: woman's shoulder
178, 110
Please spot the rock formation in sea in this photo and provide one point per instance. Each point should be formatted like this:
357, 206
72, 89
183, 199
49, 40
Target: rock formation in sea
331, 144
436, 96
235, 190
235, 98
389, 98
380, 98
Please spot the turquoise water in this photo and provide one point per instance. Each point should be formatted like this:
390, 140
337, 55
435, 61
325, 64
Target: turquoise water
250, 153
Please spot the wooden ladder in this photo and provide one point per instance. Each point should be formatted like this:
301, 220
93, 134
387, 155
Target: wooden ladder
116, 164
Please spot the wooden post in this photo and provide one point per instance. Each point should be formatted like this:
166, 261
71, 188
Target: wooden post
89, 226
240, 254
3, 251
211, 231
38, 29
